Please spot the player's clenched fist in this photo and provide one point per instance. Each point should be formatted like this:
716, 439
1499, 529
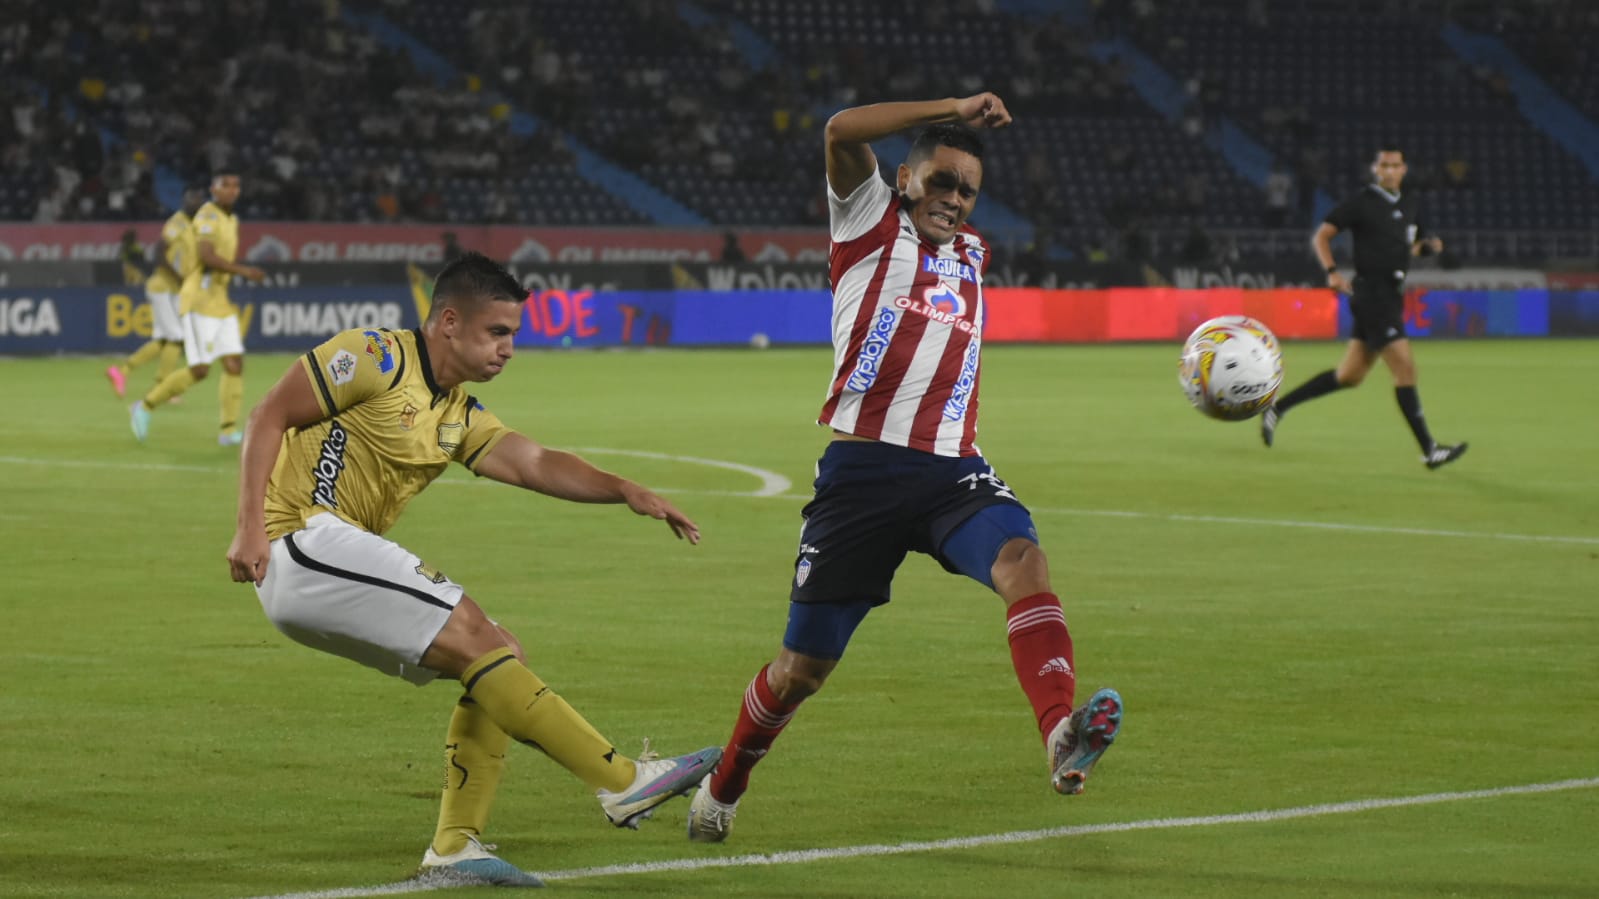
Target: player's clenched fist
985, 110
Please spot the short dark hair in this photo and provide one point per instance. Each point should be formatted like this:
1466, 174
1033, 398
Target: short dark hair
1387, 148
946, 135
472, 278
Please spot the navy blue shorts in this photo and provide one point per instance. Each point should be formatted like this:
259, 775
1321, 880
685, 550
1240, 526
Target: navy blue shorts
875, 502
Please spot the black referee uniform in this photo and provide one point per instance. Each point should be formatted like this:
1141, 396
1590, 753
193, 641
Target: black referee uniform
1383, 226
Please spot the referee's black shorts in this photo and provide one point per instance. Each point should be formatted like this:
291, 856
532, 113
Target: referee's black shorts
1379, 314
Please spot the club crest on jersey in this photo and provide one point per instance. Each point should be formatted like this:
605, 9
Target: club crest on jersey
377, 346
802, 571
408, 416
342, 367
949, 268
450, 434
872, 351
431, 573
976, 253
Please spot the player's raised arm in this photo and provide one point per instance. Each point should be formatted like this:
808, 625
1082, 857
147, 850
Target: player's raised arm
291, 403
521, 462
850, 132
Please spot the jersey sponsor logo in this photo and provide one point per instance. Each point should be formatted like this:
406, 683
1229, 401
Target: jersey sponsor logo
965, 385
342, 367
377, 346
329, 466
450, 435
872, 351
949, 268
941, 303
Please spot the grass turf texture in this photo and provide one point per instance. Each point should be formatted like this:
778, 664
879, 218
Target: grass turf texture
161, 739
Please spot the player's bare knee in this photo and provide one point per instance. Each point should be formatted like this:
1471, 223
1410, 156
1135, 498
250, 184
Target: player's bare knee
1020, 570
199, 371
794, 678
512, 643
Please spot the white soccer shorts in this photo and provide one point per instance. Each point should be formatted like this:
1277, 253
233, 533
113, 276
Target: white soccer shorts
164, 321
349, 592
207, 339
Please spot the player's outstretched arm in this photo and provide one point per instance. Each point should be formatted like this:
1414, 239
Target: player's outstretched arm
849, 133
520, 462
291, 403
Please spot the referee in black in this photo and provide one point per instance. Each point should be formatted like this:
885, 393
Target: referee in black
1387, 232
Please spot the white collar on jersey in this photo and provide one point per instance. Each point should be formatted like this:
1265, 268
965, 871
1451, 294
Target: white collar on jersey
1392, 198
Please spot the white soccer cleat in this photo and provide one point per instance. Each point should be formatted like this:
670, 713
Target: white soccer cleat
709, 819
475, 864
657, 781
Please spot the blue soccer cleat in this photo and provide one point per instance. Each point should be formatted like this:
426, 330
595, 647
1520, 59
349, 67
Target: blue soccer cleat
657, 781
1078, 741
139, 419
475, 864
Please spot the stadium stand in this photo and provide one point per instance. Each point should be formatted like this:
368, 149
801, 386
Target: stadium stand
718, 105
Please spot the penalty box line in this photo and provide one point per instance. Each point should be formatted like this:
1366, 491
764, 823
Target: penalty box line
806, 856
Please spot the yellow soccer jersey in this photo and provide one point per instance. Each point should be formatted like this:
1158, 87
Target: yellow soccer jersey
205, 290
180, 252
390, 431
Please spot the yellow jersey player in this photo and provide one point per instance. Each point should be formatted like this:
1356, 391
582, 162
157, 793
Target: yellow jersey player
174, 255
332, 455
209, 319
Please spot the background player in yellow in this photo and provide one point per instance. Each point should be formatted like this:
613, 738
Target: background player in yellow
210, 320
332, 455
174, 255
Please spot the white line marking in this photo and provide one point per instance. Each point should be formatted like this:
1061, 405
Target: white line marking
806, 856
775, 486
772, 483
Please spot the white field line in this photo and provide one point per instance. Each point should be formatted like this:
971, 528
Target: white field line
775, 486
806, 856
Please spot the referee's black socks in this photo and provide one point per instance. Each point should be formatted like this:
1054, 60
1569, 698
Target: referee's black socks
1320, 385
1410, 404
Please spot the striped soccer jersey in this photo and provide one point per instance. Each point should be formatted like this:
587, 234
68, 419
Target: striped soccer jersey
907, 326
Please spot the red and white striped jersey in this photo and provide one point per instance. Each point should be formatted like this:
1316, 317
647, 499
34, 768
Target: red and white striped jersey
907, 326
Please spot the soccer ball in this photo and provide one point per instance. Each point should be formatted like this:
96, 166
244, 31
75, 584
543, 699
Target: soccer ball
1231, 367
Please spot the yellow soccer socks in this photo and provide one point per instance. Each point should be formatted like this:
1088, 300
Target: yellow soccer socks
523, 706
143, 354
170, 386
171, 358
474, 759
230, 395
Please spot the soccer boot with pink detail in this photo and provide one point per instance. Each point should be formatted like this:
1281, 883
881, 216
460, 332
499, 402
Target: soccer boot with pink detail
657, 781
119, 381
1078, 741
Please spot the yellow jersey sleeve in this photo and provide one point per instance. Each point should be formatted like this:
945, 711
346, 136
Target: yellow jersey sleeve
482, 432
353, 366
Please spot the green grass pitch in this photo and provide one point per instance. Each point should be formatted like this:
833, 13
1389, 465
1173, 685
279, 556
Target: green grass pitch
162, 740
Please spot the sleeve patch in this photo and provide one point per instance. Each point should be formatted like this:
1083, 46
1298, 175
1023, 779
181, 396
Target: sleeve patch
342, 367
377, 346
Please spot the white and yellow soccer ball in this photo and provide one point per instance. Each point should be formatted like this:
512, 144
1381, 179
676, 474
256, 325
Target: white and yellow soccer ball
1231, 367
